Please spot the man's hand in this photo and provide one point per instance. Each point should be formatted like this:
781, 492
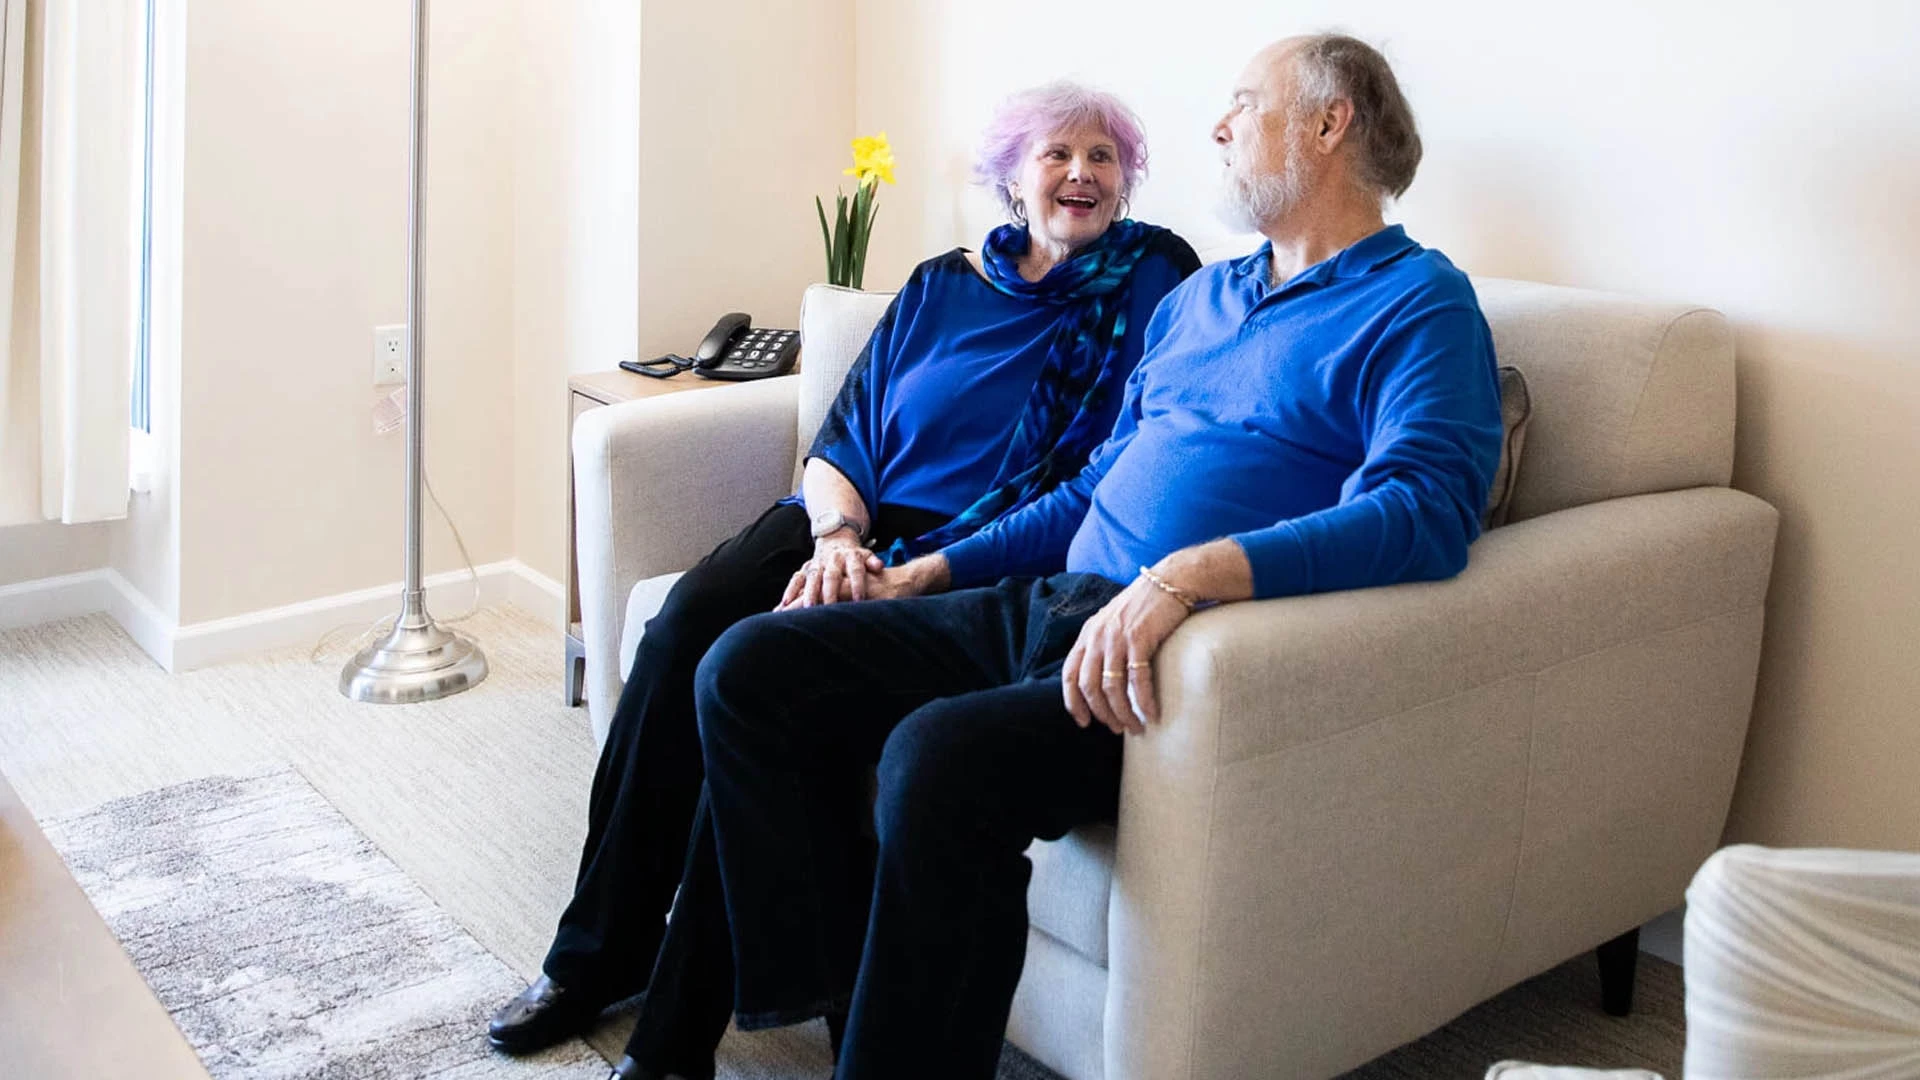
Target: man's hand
926, 574
1108, 675
840, 570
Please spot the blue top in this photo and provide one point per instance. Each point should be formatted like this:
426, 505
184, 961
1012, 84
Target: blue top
1342, 428
928, 408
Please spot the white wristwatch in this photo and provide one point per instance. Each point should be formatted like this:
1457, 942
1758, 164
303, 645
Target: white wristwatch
828, 522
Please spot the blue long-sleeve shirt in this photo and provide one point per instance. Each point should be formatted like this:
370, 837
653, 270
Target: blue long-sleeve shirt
928, 408
1343, 428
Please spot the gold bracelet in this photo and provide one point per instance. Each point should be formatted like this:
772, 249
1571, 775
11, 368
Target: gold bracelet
1188, 599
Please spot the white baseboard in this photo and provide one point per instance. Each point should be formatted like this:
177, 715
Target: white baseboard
197, 645
47, 599
537, 594
186, 647
149, 627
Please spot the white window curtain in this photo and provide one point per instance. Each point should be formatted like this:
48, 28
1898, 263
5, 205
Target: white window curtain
71, 113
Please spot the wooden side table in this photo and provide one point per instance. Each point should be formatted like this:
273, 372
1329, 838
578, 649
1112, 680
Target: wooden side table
584, 392
71, 1003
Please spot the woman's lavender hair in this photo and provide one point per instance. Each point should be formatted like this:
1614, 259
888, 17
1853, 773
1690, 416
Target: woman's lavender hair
1055, 107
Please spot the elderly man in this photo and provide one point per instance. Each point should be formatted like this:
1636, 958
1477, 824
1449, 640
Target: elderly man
1322, 414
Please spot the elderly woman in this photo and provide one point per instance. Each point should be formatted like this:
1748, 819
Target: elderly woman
989, 380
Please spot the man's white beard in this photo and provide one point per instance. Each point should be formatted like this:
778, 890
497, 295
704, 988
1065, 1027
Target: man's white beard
1249, 203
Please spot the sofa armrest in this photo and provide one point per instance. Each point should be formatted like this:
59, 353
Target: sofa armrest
1367, 811
658, 482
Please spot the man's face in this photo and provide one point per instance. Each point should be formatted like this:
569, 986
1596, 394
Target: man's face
1263, 145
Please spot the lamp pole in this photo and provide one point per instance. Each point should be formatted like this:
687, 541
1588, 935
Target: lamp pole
417, 660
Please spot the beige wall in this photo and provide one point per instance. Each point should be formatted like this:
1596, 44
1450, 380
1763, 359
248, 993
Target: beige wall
292, 246
576, 246
1763, 160
730, 164
50, 549
654, 196
295, 221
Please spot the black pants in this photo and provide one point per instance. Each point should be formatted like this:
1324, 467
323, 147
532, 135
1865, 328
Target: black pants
919, 932
650, 774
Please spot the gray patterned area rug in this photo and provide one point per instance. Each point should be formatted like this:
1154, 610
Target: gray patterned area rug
286, 945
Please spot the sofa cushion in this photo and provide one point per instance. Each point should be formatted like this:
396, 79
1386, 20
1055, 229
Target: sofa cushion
643, 603
1515, 409
1067, 897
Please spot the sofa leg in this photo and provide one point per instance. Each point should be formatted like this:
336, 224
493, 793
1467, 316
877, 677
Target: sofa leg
1617, 961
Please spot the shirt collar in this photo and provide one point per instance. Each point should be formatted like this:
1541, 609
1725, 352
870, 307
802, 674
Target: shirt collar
1357, 258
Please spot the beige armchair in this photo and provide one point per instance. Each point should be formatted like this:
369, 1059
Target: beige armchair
1367, 811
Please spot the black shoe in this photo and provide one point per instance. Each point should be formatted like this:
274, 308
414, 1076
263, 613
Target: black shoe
543, 1014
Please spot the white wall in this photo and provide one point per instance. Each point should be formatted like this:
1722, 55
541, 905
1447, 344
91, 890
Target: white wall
1763, 159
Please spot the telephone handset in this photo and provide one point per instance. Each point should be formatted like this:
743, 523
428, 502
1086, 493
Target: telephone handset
733, 350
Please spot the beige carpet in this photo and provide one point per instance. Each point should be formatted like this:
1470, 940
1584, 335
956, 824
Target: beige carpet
480, 799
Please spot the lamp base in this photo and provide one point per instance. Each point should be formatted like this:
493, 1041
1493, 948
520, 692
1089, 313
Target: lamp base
417, 661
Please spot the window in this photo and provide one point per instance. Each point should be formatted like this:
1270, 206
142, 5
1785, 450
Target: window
142, 417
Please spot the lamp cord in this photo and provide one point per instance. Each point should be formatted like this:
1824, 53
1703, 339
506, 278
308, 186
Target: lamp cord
324, 648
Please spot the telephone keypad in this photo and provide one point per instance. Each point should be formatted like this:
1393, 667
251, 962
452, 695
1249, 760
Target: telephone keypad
755, 353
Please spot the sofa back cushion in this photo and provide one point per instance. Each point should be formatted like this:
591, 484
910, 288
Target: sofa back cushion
835, 324
1626, 396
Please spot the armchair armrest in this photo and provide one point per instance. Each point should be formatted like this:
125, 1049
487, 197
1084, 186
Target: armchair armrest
1367, 811
658, 482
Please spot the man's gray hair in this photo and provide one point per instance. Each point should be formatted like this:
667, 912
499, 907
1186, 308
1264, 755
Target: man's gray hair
1334, 66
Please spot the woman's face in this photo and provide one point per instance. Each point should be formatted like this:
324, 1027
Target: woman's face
1070, 186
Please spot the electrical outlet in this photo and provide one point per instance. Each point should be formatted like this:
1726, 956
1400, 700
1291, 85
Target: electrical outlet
389, 355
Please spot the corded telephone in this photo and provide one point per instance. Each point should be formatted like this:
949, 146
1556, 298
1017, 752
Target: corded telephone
733, 350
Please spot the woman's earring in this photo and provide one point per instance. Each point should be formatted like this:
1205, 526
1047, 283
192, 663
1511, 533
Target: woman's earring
1019, 212
1124, 207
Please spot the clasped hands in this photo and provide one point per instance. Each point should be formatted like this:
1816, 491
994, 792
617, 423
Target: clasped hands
1108, 675
842, 569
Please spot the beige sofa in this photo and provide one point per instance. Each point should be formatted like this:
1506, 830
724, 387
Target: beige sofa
1365, 811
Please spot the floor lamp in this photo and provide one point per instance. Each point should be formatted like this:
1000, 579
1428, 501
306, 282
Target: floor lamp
416, 660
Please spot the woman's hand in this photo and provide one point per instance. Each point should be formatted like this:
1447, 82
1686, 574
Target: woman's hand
839, 570
1108, 676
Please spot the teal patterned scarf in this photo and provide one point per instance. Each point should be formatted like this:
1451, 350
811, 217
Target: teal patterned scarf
1065, 417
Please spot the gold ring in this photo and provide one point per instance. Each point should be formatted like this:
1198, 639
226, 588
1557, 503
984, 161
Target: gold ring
1136, 665
1109, 676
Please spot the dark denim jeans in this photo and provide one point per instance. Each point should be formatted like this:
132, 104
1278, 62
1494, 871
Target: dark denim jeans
918, 931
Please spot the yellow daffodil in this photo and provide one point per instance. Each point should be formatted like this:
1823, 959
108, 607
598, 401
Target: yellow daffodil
847, 232
872, 160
